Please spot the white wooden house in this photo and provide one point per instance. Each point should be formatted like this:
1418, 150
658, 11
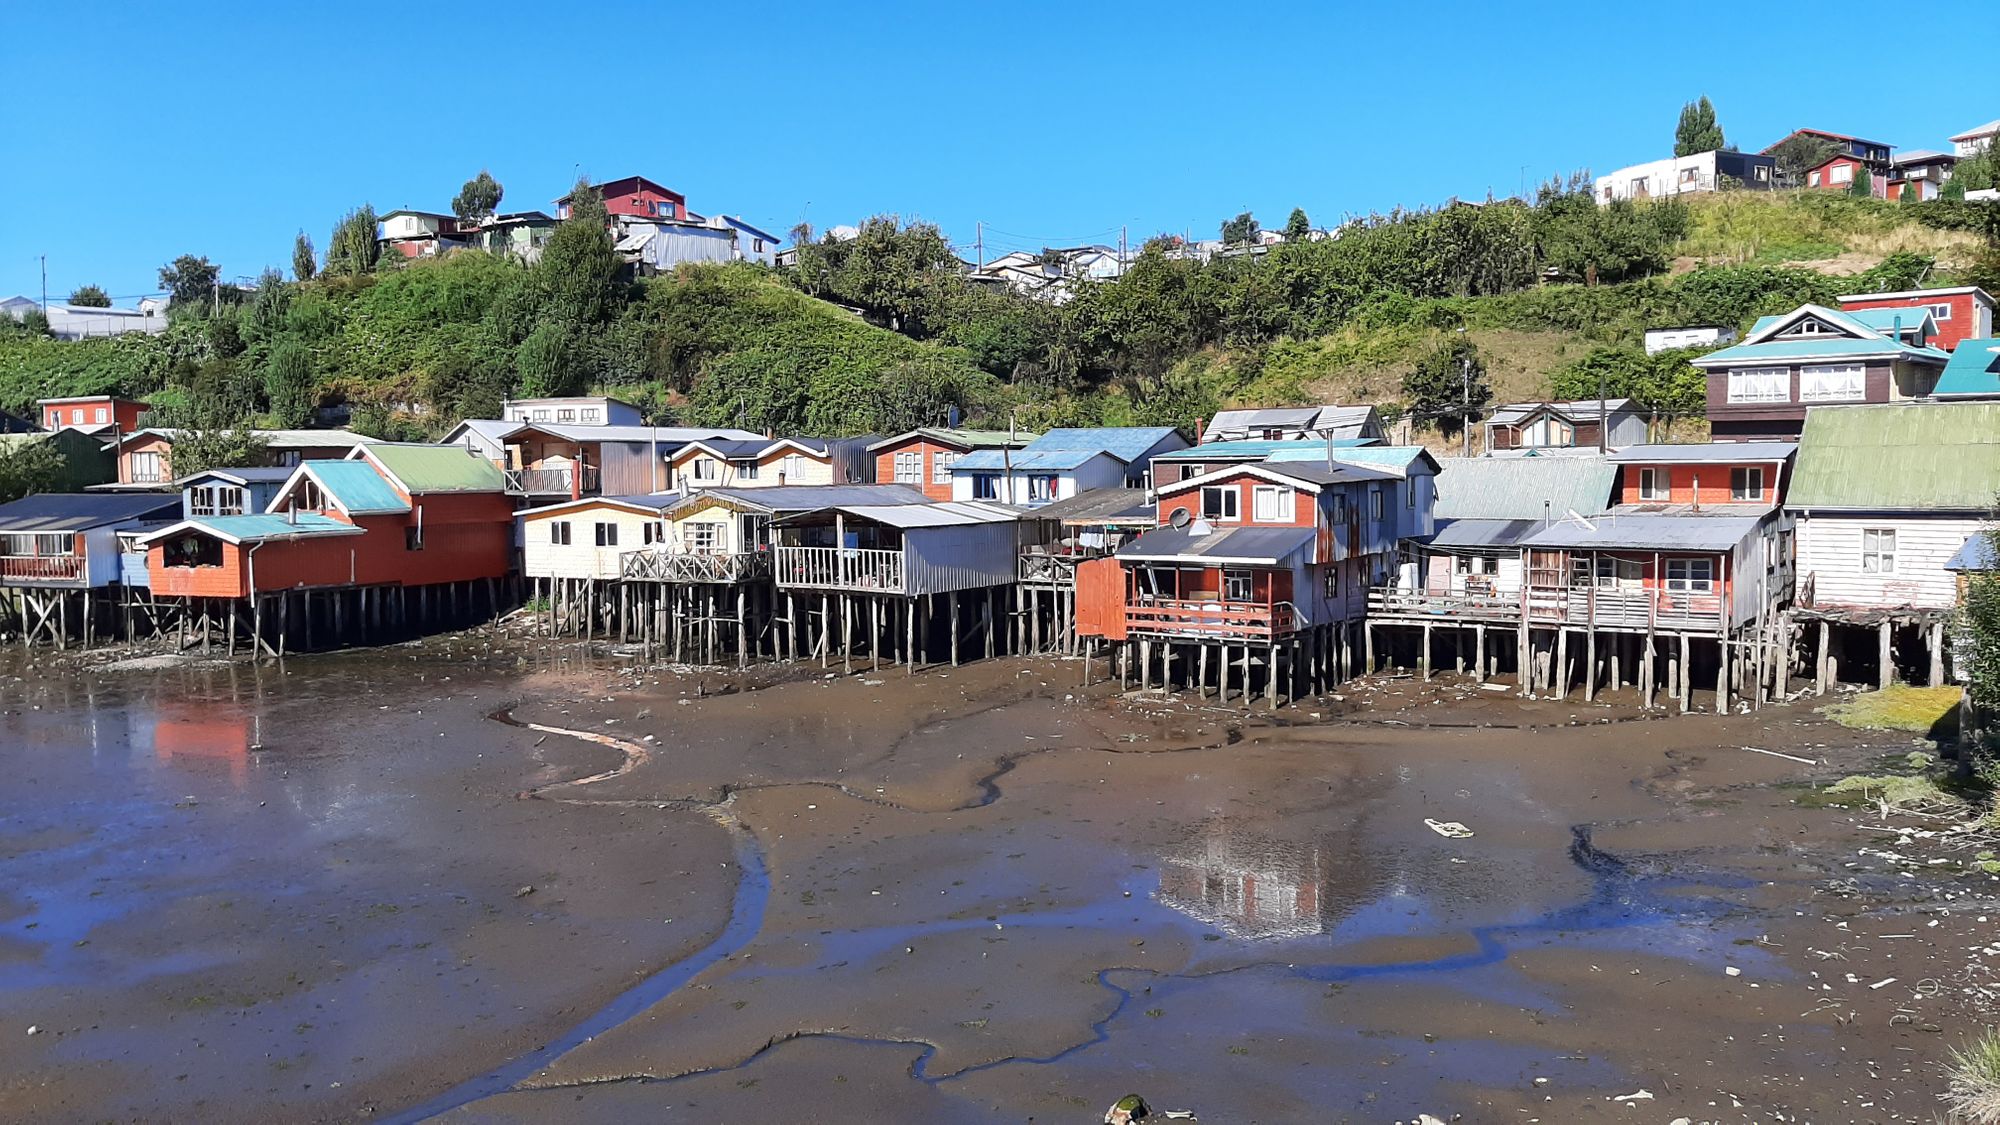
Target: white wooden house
588, 538
1061, 463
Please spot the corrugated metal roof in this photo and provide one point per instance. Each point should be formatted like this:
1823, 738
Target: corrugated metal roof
967, 439
1520, 487
1574, 410
955, 513
1127, 443
1916, 457
1320, 473
1731, 452
259, 528
1893, 319
811, 497
262, 474
278, 439
1647, 532
665, 435
1029, 460
438, 468
357, 487
1257, 449
81, 511
1298, 416
1396, 457
1975, 554
1471, 534
1120, 506
1266, 545
656, 502
1974, 370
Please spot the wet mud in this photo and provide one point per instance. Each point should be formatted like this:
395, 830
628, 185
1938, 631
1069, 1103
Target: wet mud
421, 885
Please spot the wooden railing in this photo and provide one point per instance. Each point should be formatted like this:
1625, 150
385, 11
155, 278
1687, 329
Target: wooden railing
694, 567
1049, 570
1612, 607
1180, 617
1463, 604
840, 568
41, 568
551, 482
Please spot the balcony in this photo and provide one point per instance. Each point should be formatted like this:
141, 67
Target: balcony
50, 569
1049, 570
840, 568
1444, 606
1213, 620
551, 482
1603, 607
695, 567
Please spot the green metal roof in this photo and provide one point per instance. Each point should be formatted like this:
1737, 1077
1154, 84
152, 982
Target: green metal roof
1915, 457
1516, 488
356, 487
437, 468
1974, 370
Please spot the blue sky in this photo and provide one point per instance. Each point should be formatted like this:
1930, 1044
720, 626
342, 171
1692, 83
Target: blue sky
151, 130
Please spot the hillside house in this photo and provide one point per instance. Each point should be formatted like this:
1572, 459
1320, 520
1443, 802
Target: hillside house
1061, 463
1051, 274
1720, 170
1659, 340
418, 234
231, 492
923, 458
1884, 496
1565, 425
1974, 140
1851, 155
752, 244
1919, 173
549, 460
1303, 423
146, 457
92, 413
1761, 388
60, 562
1957, 313
635, 197
91, 322
579, 410
767, 462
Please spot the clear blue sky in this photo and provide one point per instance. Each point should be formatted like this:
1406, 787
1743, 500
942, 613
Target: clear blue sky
143, 131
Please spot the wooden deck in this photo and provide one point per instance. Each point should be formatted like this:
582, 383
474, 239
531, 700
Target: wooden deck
1211, 620
51, 570
1626, 610
693, 567
1443, 608
840, 568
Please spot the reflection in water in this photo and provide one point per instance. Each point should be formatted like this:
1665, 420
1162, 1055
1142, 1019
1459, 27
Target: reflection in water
1250, 885
200, 735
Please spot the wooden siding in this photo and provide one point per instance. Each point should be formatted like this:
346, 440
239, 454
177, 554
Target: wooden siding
1695, 484
933, 488
581, 557
1830, 558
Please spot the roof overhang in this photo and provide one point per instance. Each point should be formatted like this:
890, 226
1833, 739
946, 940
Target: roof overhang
1253, 469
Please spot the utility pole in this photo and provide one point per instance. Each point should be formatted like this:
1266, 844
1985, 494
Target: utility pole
1600, 408
1121, 251
1465, 402
45, 288
979, 243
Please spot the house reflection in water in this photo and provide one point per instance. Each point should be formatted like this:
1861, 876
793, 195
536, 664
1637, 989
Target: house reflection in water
199, 735
1249, 885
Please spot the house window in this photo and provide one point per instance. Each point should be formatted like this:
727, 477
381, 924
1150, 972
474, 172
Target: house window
1375, 504
1476, 564
1691, 575
1812, 178
1840, 174
607, 534
649, 533
910, 468
985, 486
146, 469
704, 468
559, 532
1688, 176
1236, 586
76, 415
201, 501
1612, 571
757, 245
704, 538
1761, 173
1272, 504
1746, 484
590, 414
1939, 313
745, 470
103, 415
1333, 581
941, 463
413, 538
1410, 494
1760, 384
1832, 383
1340, 507
541, 415
1041, 488
1653, 484
793, 467
1878, 551
1221, 504
566, 415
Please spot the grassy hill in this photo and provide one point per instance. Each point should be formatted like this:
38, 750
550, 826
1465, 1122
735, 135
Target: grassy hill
1825, 231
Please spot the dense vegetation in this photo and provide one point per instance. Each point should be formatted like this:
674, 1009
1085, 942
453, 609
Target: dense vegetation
883, 330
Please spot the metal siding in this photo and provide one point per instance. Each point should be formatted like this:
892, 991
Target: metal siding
622, 470
938, 560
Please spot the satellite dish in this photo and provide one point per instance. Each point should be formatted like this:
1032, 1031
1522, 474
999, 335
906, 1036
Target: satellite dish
1180, 518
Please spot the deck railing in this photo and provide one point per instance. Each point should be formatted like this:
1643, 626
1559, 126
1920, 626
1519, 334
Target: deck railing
840, 568
1197, 618
1452, 605
694, 567
1613, 608
551, 482
41, 568
1049, 570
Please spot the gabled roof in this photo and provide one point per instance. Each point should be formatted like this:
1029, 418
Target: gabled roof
1329, 417
1975, 554
1979, 295
1904, 457
1722, 452
637, 181
1974, 370
651, 504
1853, 338
1616, 531
1576, 410
275, 439
1895, 323
1127, 443
84, 511
1198, 543
1309, 476
1920, 156
802, 497
964, 439
1121, 507
262, 474
258, 528
1976, 132
1396, 458
1821, 133
1258, 449
1523, 488
955, 513
418, 469
355, 487
1030, 460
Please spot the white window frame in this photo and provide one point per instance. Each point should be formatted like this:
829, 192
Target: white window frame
1940, 313
1741, 385
1282, 506
1655, 484
1375, 504
101, 414
1752, 475
703, 469
1235, 580
606, 533
704, 537
1043, 486
1852, 384
1840, 174
910, 467
1690, 576
747, 470
941, 462
1229, 503
986, 486
1878, 550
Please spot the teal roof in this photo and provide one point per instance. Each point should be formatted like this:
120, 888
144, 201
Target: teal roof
1888, 320
1799, 347
438, 468
1974, 370
356, 487
259, 528
1905, 457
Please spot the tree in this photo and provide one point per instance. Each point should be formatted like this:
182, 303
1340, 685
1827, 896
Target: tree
1698, 131
1447, 388
1240, 230
1978, 639
478, 198
288, 383
1591, 242
190, 283
1863, 185
1665, 385
90, 297
1298, 227
577, 276
197, 450
30, 467
353, 250
304, 265
1799, 154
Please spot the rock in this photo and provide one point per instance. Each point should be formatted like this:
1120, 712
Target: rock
524, 890
34, 1030
1127, 1109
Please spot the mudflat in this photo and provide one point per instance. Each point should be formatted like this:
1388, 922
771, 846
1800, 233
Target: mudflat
428, 882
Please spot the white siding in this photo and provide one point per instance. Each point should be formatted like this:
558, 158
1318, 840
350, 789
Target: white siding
581, 557
1830, 556
1101, 471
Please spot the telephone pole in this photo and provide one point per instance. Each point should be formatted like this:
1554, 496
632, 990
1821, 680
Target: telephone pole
1465, 402
45, 288
979, 242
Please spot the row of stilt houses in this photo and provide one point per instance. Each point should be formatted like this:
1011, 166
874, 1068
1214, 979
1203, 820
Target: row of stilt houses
1248, 569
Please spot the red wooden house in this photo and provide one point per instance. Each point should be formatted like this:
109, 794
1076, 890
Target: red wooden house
635, 196
1961, 313
92, 413
924, 458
